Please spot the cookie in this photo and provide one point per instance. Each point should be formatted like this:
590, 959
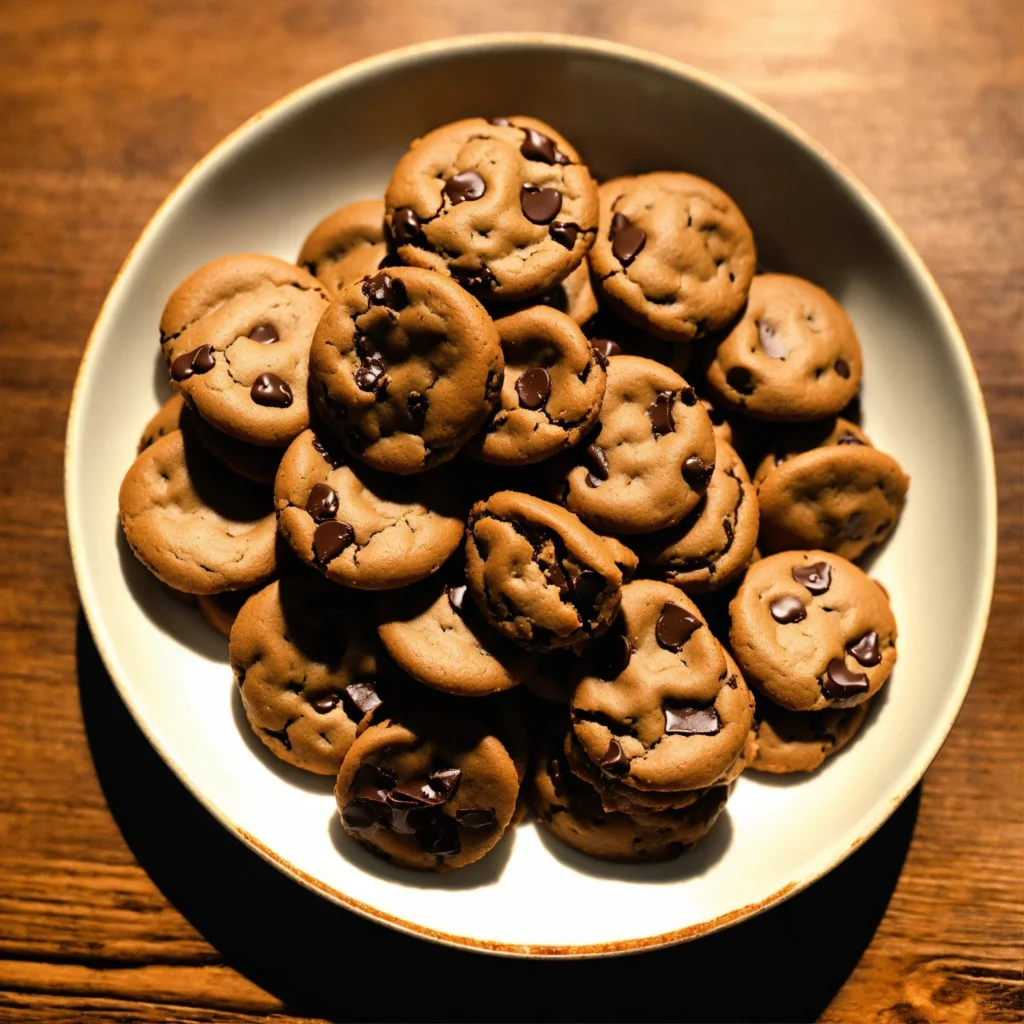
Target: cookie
625, 558
571, 811
435, 792
306, 665
407, 367
346, 246
673, 254
195, 526
573, 296
236, 335
649, 459
656, 706
503, 206
221, 610
537, 573
714, 543
552, 391
163, 421
799, 741
792, 356
810, 630
360, 528
843, 496
436, 634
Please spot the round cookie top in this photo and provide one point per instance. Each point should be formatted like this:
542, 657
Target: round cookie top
656, 705
163, 421
408, 366
800, 741
195, 526
715, 542
651, 456
435, 633
306, 664
435, 792
673, 254
503, 206
792, 356
552, 391
364, 529
537, 573
810, 630
844, 496
346, 246
236, 337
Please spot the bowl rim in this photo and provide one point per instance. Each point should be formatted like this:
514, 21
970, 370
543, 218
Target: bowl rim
311, 92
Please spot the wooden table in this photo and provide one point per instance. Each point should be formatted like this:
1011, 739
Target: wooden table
120, 898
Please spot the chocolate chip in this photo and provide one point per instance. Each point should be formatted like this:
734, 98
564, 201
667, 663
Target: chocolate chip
692, 721
501, 122
587, 587
370, 376
473, 279
533, 387
611, 654
330, 539
326, 454
619, 221
675, 626
697, 473
414, 793
564, 233
788, 609
606, 348
627, 239
456, 597
440, 837
614, 760
373, 778
464, 186
688, 396
364, 696
445, 780
849, 438
865, 650
483, 818
358, 816
265, 334
769, 339
417, 404
595, 458
843, 368
539, 147
384, 290
841, 683
540, 205
407, 228
740, 379
817, 578
325, 704
660, 412
322, 502
269, 389
199, 360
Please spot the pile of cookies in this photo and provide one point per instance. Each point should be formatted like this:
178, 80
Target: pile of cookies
507, 489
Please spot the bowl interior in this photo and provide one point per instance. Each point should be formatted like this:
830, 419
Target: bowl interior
336, 141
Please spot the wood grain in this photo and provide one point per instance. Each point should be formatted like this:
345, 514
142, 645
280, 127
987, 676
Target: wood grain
104, 105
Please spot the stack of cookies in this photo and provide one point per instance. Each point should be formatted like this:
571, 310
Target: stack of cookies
507, 489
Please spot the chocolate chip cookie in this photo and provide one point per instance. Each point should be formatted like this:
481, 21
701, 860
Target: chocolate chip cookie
363, 529
714, 543
537, 573
406, 366
673, 254
792, 356
651, 456
655, 705
306, 665
842, 496
504, 206
610, 336
433, 792
800, 741
811, 631
195, 526
346, 246
236, 337
574, 296
553, 387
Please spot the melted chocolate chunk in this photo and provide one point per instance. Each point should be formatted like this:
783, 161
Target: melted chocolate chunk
440, 837
364, 696
740, 379
692, 721
688, 396
697, 473
817, 578
537, 146
407, 228
614, 761
597, 461
371, 374
606, 348
540, 205
384, 290
326, 454
587, 587
843, 368
325, 704
265, 334
322, 502
533, 387
660, 412
627, 239
268, 389
466, 185
474, 279
675, 626
445, 780
770, 341
483, 818
788, 609
330, 539
417, 405
358, 816
610, 655
564, 233
199, 360
840, 683
865, 650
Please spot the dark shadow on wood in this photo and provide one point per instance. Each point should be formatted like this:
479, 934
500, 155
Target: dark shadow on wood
785, 965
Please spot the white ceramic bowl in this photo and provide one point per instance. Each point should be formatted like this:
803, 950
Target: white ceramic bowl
336, 140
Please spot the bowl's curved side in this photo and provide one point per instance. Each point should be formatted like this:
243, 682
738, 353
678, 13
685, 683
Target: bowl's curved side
649, 70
